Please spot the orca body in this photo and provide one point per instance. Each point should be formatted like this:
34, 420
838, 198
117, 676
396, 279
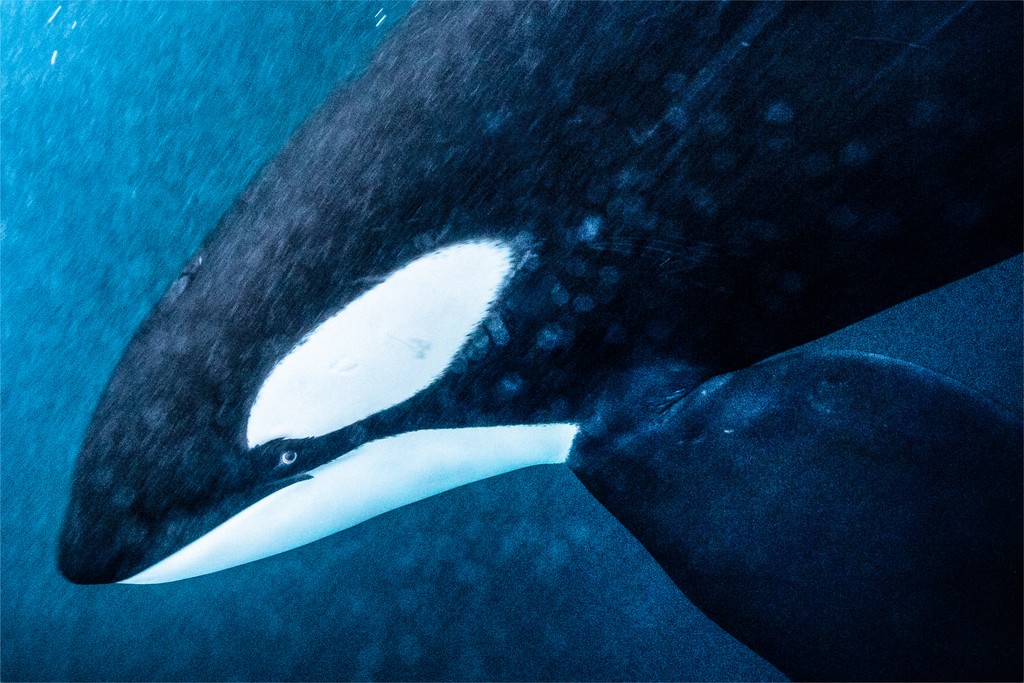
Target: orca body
560, 221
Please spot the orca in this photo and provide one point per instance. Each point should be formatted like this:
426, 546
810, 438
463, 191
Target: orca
583, 234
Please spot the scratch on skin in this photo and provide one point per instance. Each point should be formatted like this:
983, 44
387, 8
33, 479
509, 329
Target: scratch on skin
914, 46
895, 63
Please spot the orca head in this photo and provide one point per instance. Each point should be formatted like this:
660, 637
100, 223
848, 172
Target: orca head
182, 475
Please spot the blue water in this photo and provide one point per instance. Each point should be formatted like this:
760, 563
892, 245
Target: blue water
117, 158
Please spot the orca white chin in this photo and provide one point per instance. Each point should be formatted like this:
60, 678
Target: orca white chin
377, 477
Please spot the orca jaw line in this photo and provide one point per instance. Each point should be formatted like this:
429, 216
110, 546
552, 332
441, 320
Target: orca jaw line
377, 477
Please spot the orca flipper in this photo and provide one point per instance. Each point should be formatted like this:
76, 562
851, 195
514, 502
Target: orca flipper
846, 515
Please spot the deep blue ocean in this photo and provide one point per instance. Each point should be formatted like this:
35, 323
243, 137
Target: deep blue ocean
127, 130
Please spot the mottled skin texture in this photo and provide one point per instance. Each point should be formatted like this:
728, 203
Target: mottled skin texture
687, 189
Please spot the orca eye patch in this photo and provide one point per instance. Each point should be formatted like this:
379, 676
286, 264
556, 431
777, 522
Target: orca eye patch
384, 347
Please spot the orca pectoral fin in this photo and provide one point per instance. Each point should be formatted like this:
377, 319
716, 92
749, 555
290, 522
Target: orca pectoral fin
847, 516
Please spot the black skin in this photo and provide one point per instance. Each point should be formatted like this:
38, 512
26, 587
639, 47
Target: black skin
847, 516
691, 188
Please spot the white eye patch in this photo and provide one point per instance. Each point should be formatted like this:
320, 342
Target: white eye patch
381, 349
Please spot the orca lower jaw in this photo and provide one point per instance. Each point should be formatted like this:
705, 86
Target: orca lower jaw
378, 476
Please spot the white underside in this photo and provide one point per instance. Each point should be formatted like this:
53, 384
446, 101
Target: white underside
373, 479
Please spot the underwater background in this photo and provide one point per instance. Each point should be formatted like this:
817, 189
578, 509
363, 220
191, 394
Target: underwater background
127, 130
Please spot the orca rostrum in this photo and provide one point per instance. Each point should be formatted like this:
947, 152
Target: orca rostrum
583, 233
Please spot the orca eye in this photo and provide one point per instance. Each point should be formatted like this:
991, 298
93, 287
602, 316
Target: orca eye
288, 457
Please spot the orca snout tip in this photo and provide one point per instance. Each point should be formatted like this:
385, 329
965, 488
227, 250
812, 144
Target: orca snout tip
99, 546
78, 565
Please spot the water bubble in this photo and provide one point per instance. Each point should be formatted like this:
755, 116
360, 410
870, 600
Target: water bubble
583, 304
779, 143
552, 336
675, 82
590, 228
559, 295
576, 267
779, 113
493, 121
855, 153
499, 333
723, 160
510, 385
628, 178
615, 334
609, 276
677, 117
842, 217
477, 347
715, 123
703, 202
556, 556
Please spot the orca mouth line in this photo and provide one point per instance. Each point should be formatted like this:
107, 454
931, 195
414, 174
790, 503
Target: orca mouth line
375, 478
273, 486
